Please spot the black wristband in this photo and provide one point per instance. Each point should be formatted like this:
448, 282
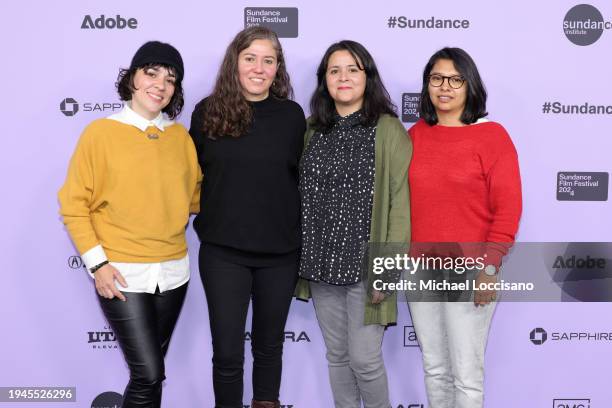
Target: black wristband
98, 266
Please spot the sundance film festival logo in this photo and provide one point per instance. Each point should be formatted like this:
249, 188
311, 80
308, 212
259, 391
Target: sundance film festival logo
572, 403
410, 107
102, 22
584, 24
282, 20
102, 340
109, 399
582, 186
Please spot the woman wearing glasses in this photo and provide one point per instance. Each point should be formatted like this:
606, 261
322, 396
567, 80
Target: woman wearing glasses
464, 187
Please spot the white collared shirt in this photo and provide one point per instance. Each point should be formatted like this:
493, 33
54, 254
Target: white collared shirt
142, 277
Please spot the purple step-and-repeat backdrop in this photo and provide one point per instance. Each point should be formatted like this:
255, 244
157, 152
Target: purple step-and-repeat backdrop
546, 67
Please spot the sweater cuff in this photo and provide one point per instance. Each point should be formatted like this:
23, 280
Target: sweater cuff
93, 257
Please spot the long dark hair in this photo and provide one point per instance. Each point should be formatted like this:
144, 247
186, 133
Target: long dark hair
226, 112
125, 88
376, 99
476, 95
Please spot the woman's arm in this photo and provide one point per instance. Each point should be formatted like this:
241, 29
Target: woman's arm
76, 195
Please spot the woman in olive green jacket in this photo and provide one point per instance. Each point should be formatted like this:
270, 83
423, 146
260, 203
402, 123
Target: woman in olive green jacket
354, 189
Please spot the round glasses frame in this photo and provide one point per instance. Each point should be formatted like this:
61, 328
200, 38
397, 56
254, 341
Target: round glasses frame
454, 81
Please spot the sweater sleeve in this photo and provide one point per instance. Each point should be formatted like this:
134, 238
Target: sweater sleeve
76, 195
194, 208
505, 200
195, 131
399, 153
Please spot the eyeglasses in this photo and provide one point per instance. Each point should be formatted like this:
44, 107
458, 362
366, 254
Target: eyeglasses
454, 82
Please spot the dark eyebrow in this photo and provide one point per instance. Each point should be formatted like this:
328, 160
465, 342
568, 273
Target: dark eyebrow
441, 74
254, 55
338, 66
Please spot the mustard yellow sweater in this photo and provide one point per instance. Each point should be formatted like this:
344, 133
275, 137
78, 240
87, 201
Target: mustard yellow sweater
131, 191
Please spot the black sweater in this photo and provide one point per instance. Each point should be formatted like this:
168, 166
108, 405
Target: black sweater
250, 200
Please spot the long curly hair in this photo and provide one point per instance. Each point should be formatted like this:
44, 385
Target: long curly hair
226, 112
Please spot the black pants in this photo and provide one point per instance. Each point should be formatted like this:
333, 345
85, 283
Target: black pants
143, 326
229, 287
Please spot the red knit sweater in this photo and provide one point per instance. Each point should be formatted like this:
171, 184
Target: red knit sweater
465, 185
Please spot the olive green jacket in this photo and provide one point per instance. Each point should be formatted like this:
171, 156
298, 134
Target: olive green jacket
391, 205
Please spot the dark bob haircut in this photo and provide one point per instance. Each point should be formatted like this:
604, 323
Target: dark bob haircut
376, 100
476, 95
125, 87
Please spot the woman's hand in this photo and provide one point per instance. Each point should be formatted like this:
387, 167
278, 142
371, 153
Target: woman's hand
377, 297
484, 297
105, 282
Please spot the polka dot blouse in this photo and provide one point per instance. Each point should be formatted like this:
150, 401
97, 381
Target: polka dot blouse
337, 187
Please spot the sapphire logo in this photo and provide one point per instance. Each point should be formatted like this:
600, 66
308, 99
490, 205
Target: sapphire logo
69, 107
109, 399
75, 262
538, 336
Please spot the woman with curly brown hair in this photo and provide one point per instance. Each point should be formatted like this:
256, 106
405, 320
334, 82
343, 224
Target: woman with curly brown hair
249, 138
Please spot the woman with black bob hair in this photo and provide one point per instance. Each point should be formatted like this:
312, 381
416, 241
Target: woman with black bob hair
354, 188
476, 94
465, 189
132, 182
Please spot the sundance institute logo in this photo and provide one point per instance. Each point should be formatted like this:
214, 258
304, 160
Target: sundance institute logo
584, 24
538, 336
69, 106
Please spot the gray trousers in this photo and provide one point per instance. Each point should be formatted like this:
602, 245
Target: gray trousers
356, 368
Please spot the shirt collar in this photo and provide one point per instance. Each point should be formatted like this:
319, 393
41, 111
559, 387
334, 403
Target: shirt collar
129, 117
350, 120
